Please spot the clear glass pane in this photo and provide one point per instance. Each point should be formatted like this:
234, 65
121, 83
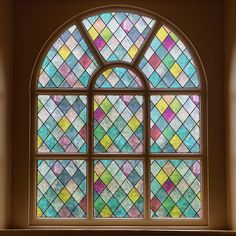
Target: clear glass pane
175, 124
118, 189
118, 35
61, 189
118, 124
175, 189
62, 123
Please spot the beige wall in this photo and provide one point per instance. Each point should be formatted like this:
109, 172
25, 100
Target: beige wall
201, 21
230, 91
35, 20
5, 110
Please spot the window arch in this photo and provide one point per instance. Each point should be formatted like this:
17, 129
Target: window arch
119, 117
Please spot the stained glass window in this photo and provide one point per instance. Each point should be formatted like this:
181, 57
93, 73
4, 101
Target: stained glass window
118, 36
118, 135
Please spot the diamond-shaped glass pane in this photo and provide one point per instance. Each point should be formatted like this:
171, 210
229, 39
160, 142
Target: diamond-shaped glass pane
167, 62
175, 189
175, 124
118, 189
118, 124
61, 189
118, 77
118, 35
68, 64
62, 123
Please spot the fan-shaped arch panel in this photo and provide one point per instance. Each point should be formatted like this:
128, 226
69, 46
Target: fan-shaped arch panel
118, 35
69, 63
167, 62
118, 77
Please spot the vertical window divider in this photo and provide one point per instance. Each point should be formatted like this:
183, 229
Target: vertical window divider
90, 158
146, 170
86, 38
33, 161
147, 43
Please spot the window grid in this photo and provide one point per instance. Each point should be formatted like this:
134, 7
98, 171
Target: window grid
146, 92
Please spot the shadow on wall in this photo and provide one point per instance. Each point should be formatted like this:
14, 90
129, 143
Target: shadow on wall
230, 91
5, 111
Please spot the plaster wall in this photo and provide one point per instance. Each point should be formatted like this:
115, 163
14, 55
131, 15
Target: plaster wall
5, 110
230, 92
203, 23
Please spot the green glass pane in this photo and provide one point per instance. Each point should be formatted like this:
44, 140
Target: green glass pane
118, 189
118, 124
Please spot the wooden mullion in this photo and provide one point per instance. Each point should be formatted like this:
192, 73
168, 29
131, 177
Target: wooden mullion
118, 157
60, 91
33, 161
175, 92
90, 160
146, 43
115, 92
146, 116
90, 44
176, 157
60, 157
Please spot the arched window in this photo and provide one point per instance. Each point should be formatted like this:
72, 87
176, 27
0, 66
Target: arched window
119, 128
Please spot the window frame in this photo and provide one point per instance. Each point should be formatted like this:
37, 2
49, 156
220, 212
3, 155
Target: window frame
146, 92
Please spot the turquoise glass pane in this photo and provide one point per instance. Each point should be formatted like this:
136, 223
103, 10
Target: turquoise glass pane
61, 189
175, 189
62, 123
167, 62
68, 63
175, 124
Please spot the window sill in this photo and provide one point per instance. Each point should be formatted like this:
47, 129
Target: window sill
137, 231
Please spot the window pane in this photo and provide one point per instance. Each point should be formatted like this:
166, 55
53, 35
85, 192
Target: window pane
175, 189
118, 124
118, 35
118, 189
62, 123
68, 63
61, 188
118, 77
175, 124
168, 64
